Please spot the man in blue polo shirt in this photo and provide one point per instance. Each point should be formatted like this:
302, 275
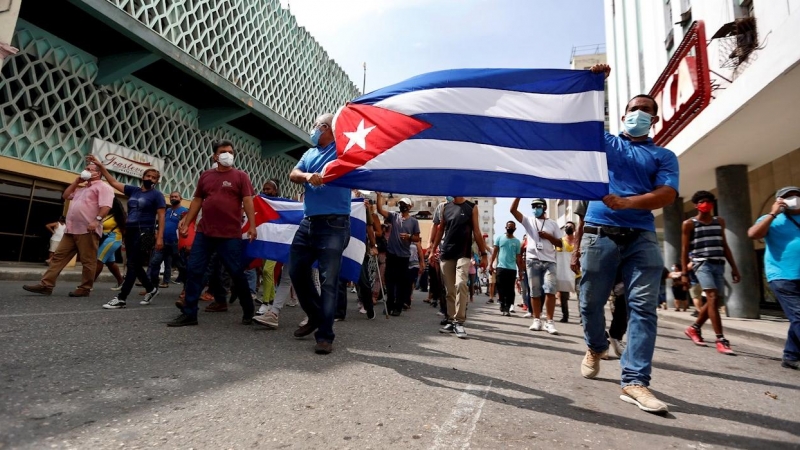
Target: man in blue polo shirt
322, 237
169, 253
619, 233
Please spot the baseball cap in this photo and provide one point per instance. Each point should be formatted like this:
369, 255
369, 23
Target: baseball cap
407, 201
538, 201
785, 190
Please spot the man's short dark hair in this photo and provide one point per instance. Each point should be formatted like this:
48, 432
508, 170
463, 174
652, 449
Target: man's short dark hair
512, 222
570, 222
703, 195
221, 143
650, 97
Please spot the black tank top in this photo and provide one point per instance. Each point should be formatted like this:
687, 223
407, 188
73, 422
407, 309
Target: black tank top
458, 230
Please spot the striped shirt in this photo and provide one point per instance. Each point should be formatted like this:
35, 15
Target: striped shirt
707, 243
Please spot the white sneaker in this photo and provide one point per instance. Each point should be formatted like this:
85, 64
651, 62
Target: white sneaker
117, 287
362, 310
618, 346
292, 302
353, 290
543, 316
550, 327
527, 315
511, 309
536, 325
269, 320
148, 298
262, 309
115, 303
304, 322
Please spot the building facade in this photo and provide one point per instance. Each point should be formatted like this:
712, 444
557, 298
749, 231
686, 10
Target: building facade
150, 83
726, 76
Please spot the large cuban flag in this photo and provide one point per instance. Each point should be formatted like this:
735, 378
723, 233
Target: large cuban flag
477, 132
277, 221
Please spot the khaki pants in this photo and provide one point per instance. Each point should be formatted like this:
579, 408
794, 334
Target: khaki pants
456, 279
85, 245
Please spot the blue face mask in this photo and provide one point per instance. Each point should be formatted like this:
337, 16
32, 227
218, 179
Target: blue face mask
637, 123
315, 135
538, 212
449, 198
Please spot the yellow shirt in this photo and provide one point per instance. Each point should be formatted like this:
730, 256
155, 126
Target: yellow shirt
110, 224
566, 247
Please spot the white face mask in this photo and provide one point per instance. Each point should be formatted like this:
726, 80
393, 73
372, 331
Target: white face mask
225, 159
86, 175
792, 202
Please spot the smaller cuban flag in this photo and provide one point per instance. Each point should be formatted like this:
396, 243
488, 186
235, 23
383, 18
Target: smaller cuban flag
277, 221
484, 132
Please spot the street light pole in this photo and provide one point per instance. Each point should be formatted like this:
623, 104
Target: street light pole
364, 84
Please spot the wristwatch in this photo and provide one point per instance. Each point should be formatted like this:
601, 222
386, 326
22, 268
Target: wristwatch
99, 218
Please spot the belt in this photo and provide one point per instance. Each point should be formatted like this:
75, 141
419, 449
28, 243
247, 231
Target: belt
327, 216
609, 230
712, 261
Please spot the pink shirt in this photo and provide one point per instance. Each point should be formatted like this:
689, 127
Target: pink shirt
84, 206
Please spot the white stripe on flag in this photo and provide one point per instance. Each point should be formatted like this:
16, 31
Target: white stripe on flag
280, 233
436, 154
545, 108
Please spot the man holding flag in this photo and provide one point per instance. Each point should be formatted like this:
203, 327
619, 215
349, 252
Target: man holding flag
321, 237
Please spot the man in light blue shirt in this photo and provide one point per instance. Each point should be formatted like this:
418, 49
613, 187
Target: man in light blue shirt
780, 230
619, 234
322, 237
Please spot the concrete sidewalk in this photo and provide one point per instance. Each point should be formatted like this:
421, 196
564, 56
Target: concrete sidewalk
34, 272
769, 327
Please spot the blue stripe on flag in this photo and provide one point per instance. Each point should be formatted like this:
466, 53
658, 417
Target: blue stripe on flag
539, 81
351, 270
470, 183
512, 133
268, 250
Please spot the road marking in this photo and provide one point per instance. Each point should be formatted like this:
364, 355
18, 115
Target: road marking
457, 431
62, 313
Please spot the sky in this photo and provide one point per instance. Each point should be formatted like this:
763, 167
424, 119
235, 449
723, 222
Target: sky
398, 39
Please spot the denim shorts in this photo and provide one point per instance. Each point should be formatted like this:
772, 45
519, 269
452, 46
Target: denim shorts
711, 276
541, 276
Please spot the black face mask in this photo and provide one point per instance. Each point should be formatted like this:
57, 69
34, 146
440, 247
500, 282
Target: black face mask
510, 230
569, 230
404, 208
174, 202
148, 184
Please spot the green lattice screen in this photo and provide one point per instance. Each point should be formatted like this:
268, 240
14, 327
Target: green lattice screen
50, 111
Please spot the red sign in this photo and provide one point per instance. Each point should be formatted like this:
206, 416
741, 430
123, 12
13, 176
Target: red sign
684, 89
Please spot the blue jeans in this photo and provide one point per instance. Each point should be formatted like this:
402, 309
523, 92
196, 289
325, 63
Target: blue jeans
230, 251
526, 292
319, 239
788, 294
168, 254
641, 265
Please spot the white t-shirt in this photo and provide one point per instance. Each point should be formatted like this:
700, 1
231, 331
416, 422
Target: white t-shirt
533, 226
58, 233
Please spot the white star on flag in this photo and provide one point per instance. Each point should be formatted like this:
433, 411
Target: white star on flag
358, 137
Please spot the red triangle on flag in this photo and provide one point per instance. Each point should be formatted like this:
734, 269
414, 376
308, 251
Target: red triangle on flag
263, 213
363, 132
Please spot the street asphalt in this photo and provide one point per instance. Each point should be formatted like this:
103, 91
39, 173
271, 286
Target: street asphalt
74, 375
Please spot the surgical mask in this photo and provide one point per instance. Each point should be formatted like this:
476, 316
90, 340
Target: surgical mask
86, 175
449, 198
148, 184
174, 202
315, 135
705, 207
569, 231
538, 211
637, 123
225, 159
792, 202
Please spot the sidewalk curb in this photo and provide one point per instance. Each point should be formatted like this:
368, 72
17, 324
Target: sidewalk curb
728, 330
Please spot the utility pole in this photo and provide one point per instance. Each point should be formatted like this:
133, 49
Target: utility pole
364, 84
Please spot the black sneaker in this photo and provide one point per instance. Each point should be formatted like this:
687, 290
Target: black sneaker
491, 300
395, 313
247, 320
790, 364
444, 321
370, 314
447, 329
459, 330
183, 321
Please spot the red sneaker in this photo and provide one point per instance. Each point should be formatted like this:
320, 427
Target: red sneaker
724, 347
694, 335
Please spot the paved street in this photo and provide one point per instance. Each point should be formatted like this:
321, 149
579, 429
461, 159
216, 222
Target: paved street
76, 376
